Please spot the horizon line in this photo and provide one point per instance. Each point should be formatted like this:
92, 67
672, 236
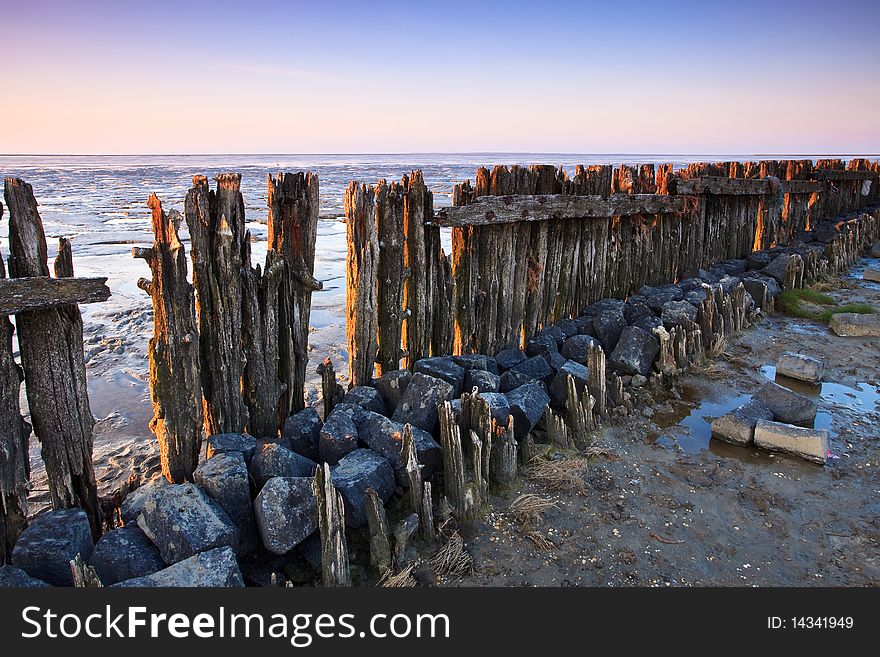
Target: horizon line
410, 153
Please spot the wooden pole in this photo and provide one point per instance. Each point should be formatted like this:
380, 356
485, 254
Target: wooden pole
51, 348
331, 524
377, 526
175, 387
331, 391
361, 282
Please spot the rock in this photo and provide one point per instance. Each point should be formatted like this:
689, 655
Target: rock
798, 366
558, 388
126, 553
554, 332
678, 313
275, 460
512, 379
810, 444
527, 406
733, 267
472, 362
635, 351
354, 413
507, 358
367, 397
568, 327
213, 568
855, 325
771, 283
875, 250
385, 437
585, 325
620, 410
12, 577
778, 268
696, 296
391, 386
557, 360
759, 291
601, 306
871, 275
287, 512
655, 297
786, 405
482, 380
337, 438
648, 323
638, 381
577, 347
445, 368
541, 345
708, 276
757, 260
362, 469
302, 431
607, 327
738, 426
635, 309
47, 545
231, 442
133, 504
224, 478
419, 403
498, 406
182, 521
536, 368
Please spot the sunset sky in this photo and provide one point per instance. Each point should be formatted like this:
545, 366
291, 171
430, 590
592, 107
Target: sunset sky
386, 76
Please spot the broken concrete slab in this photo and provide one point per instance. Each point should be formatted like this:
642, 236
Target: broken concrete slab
800, 367
810, 444
49, 542
871, 275
856, 325
418, 405
212, 568
786, 405
738, 426
287, 512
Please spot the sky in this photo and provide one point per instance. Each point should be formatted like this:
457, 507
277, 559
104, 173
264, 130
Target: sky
398, 77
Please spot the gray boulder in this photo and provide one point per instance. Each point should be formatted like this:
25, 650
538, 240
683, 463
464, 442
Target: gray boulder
808, 444
607, 327
482, 380
800, 367
577, 348
419, 403
568, 327
541, 345
391, 386
287, 512
512, 379
678, 313
48, 544
125, 553
445, 368
510, 357
498, 406
554, 332
275, 460
536, 368
133, 504
604, 306
210, 569
182, 521
231, 442
385, 437
358, 471
656, 297
527, 406
635, 309
778, 267
337, 437
302, 431
635, 351
786, 405
472, 362
558, 388
12, 577
367, 397
738, 426
224, 478
648, 323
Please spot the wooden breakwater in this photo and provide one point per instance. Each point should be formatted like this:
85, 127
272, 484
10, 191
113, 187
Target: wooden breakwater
531, 245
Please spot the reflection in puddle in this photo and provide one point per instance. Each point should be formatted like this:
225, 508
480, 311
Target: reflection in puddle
861, 396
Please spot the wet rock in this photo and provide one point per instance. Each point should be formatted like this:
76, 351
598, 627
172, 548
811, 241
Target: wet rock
385, 437
568, 327
607, 327
362, 469
231, 442
810, 444
558, 388
786, 405
554, 332
275, 460
635, 352
133, 504
800, 367
541, 345
855, 324
337, 438
210, 569
498, 406
536, 368
302, 431
287, 512
10, 577
678, 313
738, 426
225, 480
419, 403
367, 397
126, 553
445, 368
527, 406
47, 545
482, 380
182, 521
577, 348
508, 358
391, 386
512, 380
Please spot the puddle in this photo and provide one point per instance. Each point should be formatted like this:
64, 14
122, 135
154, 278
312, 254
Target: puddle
860, 396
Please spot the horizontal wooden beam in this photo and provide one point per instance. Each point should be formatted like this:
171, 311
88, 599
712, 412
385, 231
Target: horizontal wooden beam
802, 186
18, 295
511, 209
736, 186
839, 174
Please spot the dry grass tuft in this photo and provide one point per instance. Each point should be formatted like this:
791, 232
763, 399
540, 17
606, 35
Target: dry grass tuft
529, 507
597, 451
539, 540
563, 476
452, 559
403, 579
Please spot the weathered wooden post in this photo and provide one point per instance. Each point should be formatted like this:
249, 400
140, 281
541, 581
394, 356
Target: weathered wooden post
361, 279
331, 391
51, 346
377, 526
175, 388
331, 525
